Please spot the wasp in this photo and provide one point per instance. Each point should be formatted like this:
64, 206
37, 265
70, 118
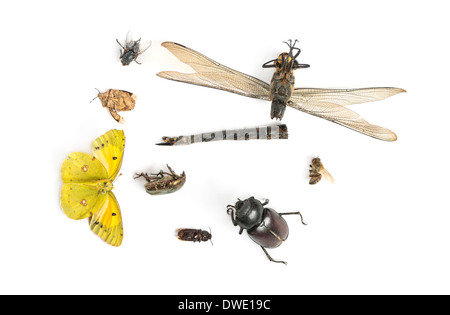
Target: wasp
329, 104
132, 49
116, 101
163, 182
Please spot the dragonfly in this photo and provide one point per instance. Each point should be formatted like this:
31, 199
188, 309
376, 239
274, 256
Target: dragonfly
329, 104
278, 131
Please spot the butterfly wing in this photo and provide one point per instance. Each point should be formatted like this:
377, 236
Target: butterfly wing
214, 75
79, 194
108, 149
106, 222
330, 104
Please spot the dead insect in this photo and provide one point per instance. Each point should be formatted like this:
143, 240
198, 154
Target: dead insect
132, 49
194, 235
324, 103
265, 226
264, 132
117, 101
163, 182
318, 171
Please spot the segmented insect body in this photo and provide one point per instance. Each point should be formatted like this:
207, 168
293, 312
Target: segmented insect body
318, 171
194, 235
283, 80
132, 49
117, 101
329, 104
264, 132
163, 182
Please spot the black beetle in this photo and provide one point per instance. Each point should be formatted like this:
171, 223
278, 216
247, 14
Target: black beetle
265, 226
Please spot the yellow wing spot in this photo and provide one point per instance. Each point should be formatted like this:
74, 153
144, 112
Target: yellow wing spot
83, 202
84, 168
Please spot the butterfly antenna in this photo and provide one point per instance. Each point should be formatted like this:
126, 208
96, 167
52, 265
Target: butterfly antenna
117, 178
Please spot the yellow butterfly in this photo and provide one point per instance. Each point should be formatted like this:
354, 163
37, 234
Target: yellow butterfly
87, 184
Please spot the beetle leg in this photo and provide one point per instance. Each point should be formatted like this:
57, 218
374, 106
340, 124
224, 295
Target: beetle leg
265, 202
174, 175
298, 212
270, 258
230, 211
142, 175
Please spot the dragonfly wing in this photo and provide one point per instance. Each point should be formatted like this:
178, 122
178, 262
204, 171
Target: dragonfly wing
329, 104
214, 75
343, 97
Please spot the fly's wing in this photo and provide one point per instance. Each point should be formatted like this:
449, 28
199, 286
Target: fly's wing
129, 40
329, 104
144, 46
214, 75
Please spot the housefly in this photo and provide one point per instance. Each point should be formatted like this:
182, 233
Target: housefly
132, 49
328, 104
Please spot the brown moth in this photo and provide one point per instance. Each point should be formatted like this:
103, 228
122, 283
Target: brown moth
318, 171
117, 101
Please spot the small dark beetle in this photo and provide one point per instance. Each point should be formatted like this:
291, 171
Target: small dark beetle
265, 226
194, 235
132, 49
163, 182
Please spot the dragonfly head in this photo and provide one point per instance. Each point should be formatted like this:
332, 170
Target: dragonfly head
287, 61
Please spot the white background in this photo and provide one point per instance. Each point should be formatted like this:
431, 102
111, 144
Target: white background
382, 228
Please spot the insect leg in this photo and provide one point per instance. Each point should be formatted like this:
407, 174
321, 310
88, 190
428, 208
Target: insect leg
298, 212
270, 258
148, 178
120, 45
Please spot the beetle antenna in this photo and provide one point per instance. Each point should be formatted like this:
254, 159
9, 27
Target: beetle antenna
210, 239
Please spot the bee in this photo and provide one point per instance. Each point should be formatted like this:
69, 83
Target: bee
329, 104
318, 171
132, 49
117, 101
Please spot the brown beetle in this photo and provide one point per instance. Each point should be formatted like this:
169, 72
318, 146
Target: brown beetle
194, 235
163, 182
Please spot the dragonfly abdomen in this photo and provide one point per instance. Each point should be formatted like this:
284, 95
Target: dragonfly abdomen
266, 132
